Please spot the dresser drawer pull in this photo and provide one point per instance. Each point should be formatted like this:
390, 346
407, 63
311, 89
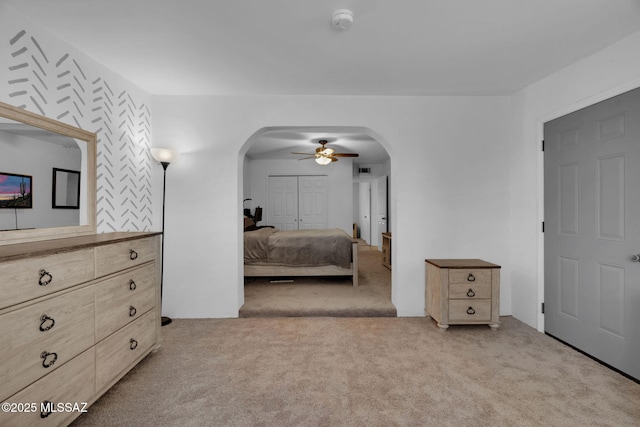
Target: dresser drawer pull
132, 311
133, 254
471, 277
471, 311
470, 293
133, 344
44, 319
45, 355
46, 404
132, 285
45, 278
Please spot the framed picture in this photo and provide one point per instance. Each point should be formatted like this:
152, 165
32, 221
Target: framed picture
15, 191
66, 189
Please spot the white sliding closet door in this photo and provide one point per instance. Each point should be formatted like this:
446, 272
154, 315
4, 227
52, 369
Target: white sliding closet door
298, 202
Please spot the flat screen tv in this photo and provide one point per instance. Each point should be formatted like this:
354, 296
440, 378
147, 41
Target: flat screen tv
15, 191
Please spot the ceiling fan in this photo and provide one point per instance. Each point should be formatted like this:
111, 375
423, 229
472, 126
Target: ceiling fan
324, 156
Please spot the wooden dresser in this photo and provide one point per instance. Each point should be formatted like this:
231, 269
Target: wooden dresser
76, 314
462, 291
386, 250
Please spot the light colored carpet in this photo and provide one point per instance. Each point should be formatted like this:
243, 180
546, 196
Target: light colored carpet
320, 371
335, 297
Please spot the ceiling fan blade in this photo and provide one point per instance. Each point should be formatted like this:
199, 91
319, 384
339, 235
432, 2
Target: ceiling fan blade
345, 155
306, 154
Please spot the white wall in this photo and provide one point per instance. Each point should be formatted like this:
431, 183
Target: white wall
449, 184
607, 73
339, 179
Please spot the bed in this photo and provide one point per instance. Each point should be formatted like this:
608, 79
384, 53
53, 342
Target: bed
269, 252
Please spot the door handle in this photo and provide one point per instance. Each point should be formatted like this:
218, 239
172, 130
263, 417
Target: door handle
635, 258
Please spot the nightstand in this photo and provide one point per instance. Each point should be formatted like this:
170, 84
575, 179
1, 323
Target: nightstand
462, 291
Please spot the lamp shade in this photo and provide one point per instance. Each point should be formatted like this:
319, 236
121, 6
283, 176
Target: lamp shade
163, 155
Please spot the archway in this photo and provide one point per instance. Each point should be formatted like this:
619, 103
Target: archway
268, 152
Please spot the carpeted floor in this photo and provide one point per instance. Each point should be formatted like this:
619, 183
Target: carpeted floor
335, 297
320, 371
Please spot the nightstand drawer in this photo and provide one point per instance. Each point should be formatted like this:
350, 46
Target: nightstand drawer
469, 311
469, 291
470, 276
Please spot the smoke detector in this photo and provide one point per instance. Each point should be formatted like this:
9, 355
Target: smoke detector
342, 19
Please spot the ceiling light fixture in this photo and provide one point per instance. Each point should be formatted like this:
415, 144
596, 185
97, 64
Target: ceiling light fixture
322, 159
342, 19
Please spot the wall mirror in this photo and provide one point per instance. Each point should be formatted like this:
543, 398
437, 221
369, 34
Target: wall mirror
62, 203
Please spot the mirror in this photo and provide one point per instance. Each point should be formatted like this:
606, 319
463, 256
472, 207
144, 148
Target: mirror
62, 203
66, 189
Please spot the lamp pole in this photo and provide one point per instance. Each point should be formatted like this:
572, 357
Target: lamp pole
165, 320
164, 156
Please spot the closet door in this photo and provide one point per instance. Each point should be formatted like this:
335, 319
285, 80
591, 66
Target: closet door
298, 202
283, 202
312, 195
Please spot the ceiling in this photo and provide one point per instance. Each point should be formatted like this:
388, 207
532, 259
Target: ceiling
288, 47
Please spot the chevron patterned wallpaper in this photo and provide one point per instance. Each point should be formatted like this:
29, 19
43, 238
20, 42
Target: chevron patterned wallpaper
61, 86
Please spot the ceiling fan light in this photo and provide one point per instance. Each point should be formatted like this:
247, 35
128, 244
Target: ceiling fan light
322, 160
328, 151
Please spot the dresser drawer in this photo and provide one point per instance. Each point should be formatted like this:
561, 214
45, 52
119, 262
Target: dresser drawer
29, 278
469, 291
469, 275
123, 255
74, 382
117, 352
469, 311
40, 338
124, 298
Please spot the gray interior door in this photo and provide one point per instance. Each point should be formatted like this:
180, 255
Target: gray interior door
592, 230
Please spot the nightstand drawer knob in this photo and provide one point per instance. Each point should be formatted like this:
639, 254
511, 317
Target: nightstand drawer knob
133, 344
470, 293
132, 311
471, 277
132, 285
133, 254
471, 311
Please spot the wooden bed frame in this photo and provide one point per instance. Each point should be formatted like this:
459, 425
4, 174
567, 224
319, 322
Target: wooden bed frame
251, 270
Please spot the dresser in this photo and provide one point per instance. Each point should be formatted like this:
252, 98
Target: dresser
386, 250
76, 314
462, 291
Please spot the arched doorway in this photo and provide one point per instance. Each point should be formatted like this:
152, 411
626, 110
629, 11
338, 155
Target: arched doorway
267, 155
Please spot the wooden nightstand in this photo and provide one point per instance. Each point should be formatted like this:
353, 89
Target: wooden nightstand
462, 291
386, 250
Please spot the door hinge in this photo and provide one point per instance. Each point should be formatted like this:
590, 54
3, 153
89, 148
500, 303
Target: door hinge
543, 226
543, 145
542, 308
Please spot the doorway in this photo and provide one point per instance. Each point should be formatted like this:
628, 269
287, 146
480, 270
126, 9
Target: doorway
260, 162
592, 236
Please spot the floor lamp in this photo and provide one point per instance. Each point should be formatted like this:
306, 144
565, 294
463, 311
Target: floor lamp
165, 156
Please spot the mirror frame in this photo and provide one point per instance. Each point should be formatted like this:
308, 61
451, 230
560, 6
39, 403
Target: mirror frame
38, 234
